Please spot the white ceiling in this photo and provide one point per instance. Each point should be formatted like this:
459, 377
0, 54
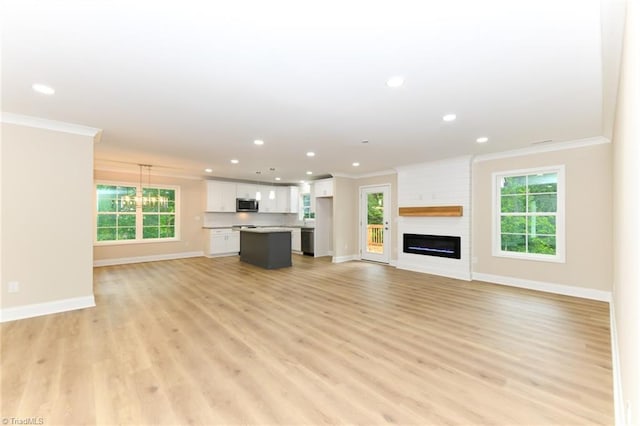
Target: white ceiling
188, 85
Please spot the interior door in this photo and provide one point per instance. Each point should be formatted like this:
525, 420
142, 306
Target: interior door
375, 240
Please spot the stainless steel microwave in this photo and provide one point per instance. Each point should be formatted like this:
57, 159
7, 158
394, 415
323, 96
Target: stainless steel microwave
246, 205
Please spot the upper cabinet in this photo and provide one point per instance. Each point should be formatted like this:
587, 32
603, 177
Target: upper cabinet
246, 190
268, 202
275, 199
221, 196
323, 188
294, 199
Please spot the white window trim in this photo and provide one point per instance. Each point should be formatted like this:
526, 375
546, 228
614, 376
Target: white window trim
138, 216
497, 251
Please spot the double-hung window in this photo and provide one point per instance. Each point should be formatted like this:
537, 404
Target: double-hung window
529, 214
134, 213
305, 211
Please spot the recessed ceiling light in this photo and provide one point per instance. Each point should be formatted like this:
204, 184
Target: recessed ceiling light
301, 181
234, 161
309, 172
482, 139
277, 178
44, 89
449, 117
208, 170
311, 154
258, 142
355, 164
395, 81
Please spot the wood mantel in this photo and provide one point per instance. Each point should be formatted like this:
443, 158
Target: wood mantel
441, 211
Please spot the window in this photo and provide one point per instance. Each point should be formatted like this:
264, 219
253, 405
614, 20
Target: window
306, 212
529, 218
132, 213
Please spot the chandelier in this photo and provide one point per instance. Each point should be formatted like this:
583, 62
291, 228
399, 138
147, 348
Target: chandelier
151, 199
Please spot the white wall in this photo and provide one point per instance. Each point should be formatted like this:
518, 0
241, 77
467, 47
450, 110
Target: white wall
47, 217
586, 271
440, 183
626, 229
324, 238
345, 219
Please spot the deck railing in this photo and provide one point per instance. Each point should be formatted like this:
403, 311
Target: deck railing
374, 237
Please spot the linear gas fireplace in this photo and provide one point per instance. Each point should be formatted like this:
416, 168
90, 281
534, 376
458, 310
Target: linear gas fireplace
432, 245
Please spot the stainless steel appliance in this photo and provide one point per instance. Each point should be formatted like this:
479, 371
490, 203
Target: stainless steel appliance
246, 205
307, 240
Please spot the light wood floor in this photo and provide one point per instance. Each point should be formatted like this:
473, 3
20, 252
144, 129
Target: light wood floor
216, 341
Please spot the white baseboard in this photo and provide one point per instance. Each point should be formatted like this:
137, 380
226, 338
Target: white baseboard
567, 290
618, 399
152, 258
393, 262
39, 309
211, 256
340, 259
443, 272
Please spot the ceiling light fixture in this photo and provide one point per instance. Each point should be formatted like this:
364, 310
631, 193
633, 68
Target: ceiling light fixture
234, 161
208, 170
311, 154
43, 88
309, 172
395, 81
277, 178
258, 142
147, 196
355, 164
482, 139
449, 117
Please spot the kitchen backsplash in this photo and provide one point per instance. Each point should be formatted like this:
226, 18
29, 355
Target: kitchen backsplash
260, 219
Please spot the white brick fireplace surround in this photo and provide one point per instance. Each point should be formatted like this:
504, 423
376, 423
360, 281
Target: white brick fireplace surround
440, 183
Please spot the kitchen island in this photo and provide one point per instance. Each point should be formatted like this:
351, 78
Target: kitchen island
268, 248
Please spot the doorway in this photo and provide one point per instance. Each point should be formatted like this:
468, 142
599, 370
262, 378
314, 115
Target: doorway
375, 241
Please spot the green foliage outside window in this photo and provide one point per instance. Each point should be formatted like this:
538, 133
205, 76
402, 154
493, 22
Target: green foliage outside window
528, 207
306, 207
375, 210
118, 209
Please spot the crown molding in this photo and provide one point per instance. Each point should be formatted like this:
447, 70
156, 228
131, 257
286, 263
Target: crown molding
56, 126
459, 158
539, 149
124, 171
365, 175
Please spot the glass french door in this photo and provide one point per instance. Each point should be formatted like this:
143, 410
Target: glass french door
374, 223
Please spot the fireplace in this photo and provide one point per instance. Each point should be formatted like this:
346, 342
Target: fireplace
432, 245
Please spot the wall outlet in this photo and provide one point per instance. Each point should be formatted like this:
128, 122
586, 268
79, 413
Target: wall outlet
13, 286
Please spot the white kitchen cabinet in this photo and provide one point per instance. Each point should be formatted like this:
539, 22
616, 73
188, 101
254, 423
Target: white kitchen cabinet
221, 196
223, 242
296, 242
323, 188
294, 199
247, 190
268, 202
275, 199
282, 199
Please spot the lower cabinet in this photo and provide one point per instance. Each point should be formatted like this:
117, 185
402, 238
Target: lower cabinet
223, 242
296, 243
